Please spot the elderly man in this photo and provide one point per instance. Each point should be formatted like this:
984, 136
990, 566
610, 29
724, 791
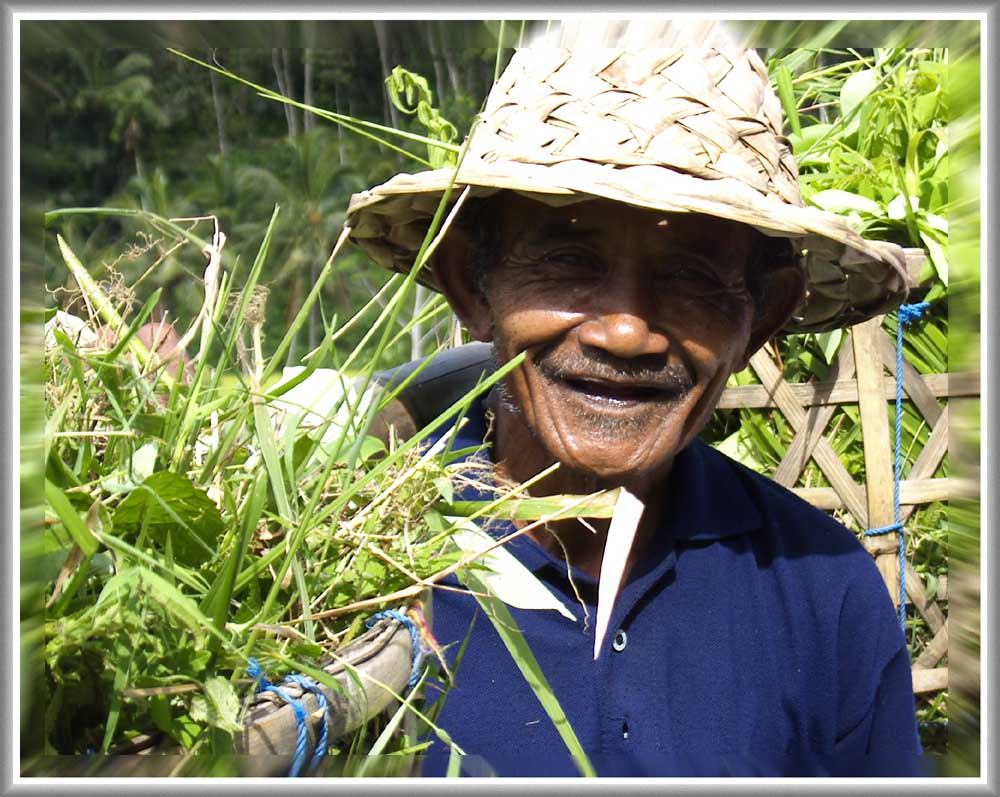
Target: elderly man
635, 228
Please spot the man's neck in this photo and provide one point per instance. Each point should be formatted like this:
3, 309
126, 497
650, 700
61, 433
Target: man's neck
519, 457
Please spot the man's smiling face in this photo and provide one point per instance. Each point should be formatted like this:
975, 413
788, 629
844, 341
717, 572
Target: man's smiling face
631, 320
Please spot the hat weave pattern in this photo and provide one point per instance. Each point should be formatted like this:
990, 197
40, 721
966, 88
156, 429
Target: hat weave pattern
688, 130
702, 112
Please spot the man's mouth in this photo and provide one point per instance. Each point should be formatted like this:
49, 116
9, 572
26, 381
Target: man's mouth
612, 384
617, 393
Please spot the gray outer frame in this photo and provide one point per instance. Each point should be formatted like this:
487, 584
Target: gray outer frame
990, 474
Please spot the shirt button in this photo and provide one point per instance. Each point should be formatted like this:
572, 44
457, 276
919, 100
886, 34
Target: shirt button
620, 640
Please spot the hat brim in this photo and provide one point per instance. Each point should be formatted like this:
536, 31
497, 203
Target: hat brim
849, 279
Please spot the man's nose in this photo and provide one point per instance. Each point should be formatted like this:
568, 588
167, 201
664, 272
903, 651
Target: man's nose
622, 334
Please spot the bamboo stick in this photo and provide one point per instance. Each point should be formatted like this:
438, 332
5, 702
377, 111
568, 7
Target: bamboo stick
915, 257
935, 650
911, 492
917, 594
797, 455
930, 680
824, 454
930, 457
877, 446
913, 385
845, 391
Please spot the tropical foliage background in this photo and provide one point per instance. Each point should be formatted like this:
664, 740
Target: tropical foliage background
113, 119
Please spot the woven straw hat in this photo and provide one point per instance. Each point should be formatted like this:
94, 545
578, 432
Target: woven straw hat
677, 130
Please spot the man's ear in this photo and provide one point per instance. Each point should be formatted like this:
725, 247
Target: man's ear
454, 273
783, 291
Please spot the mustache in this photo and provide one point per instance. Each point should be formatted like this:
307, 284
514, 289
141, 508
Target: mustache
650, 371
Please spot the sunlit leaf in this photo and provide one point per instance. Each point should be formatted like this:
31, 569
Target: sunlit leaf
838, 201
854, 91
169, 504
218, 706
505, 576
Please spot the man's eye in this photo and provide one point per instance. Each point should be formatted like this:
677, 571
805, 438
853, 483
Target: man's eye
689, 275
579, 260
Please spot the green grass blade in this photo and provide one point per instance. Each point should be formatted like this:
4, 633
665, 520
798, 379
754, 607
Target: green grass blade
787, 95
179, 605
556, 507
303, 314
156, 221
71, 519
124, 653
140, 319
353, 124
526, 662
216, 602
272, 462
131, 553
379, 745
102, 304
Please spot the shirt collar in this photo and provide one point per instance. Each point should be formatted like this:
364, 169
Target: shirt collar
708, 498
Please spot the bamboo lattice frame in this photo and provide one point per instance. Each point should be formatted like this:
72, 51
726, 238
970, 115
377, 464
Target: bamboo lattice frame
864, 375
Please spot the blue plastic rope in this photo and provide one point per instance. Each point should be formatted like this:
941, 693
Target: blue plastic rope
417, 645
311, 686
908, 313
302, 739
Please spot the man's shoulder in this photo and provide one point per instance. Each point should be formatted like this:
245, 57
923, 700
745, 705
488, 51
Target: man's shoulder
810, 552
787, 521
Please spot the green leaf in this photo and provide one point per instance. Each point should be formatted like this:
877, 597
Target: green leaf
306, 650
446, 489
937, 256
74, 524
159, 710
123, 655
371, 447
937, 223
854, 91
787, 96
434, 521
829, 343
269, 451
179, 605
937, 291
171, 506
150, 425
809, 136
140, 467
734, 448
838, 201
216, 602
186, 731
924, 107
218, 706
598, 505
896, 210
526, 662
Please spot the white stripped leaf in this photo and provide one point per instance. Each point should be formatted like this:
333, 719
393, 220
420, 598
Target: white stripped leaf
621, 533
506, 577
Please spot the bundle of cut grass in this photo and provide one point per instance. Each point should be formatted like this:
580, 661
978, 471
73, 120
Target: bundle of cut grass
194, 529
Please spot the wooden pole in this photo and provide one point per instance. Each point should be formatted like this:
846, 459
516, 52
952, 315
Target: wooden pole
878, 450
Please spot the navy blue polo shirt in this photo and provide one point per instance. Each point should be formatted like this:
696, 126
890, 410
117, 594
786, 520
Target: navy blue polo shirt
755, 637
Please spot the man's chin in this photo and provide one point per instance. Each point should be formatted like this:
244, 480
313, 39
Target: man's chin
597, 465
